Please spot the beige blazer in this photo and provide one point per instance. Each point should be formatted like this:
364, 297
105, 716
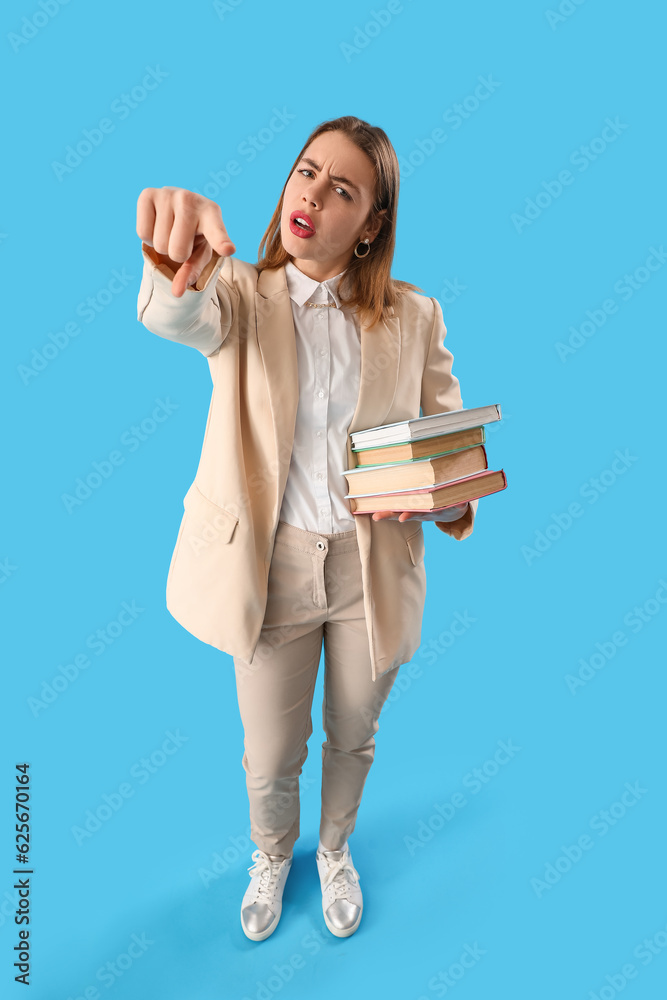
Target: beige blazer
241, 320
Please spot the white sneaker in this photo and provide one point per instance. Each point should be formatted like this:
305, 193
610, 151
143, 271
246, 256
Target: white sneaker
263, 900
342, 902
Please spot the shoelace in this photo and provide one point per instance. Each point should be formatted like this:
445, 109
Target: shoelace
337, 877
267, 870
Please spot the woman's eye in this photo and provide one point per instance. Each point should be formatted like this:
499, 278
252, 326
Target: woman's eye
305, 170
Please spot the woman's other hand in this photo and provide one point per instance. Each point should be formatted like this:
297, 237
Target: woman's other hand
452, 513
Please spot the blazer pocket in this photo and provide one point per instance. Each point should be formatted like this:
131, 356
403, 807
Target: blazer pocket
416, 546
212, 522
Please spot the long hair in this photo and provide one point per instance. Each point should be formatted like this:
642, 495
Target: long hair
371, 288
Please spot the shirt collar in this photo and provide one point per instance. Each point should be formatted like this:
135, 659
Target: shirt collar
301, 287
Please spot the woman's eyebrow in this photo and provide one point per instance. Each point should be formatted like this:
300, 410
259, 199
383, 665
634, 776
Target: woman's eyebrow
343, 180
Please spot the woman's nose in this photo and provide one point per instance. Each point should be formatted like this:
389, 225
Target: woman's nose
313, 194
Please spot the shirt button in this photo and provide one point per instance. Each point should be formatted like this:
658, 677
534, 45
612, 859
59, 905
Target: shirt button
322, 353
319, 434
320, 475
321, 392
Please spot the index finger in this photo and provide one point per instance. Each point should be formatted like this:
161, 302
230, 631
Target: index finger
213, 229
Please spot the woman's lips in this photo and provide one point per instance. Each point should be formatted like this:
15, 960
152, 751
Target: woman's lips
299, 230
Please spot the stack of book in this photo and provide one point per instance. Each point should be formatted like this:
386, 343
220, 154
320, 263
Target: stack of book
423, 464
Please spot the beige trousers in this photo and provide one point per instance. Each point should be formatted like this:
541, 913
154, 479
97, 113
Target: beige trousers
315, 596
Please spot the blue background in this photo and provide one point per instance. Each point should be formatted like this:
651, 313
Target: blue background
541, 603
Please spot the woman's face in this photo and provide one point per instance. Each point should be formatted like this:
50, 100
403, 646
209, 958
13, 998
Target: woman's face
337, 209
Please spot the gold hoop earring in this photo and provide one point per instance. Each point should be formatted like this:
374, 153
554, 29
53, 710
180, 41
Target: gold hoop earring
360, 244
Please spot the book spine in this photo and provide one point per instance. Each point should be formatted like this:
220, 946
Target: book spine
496, 489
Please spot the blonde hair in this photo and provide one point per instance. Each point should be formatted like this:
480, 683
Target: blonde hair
371, 288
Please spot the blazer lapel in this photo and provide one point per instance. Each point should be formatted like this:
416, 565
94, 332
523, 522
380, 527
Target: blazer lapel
380, 359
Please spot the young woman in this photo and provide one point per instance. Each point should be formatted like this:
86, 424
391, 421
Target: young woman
311, 342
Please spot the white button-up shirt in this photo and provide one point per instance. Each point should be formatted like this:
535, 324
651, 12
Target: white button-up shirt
328, 348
